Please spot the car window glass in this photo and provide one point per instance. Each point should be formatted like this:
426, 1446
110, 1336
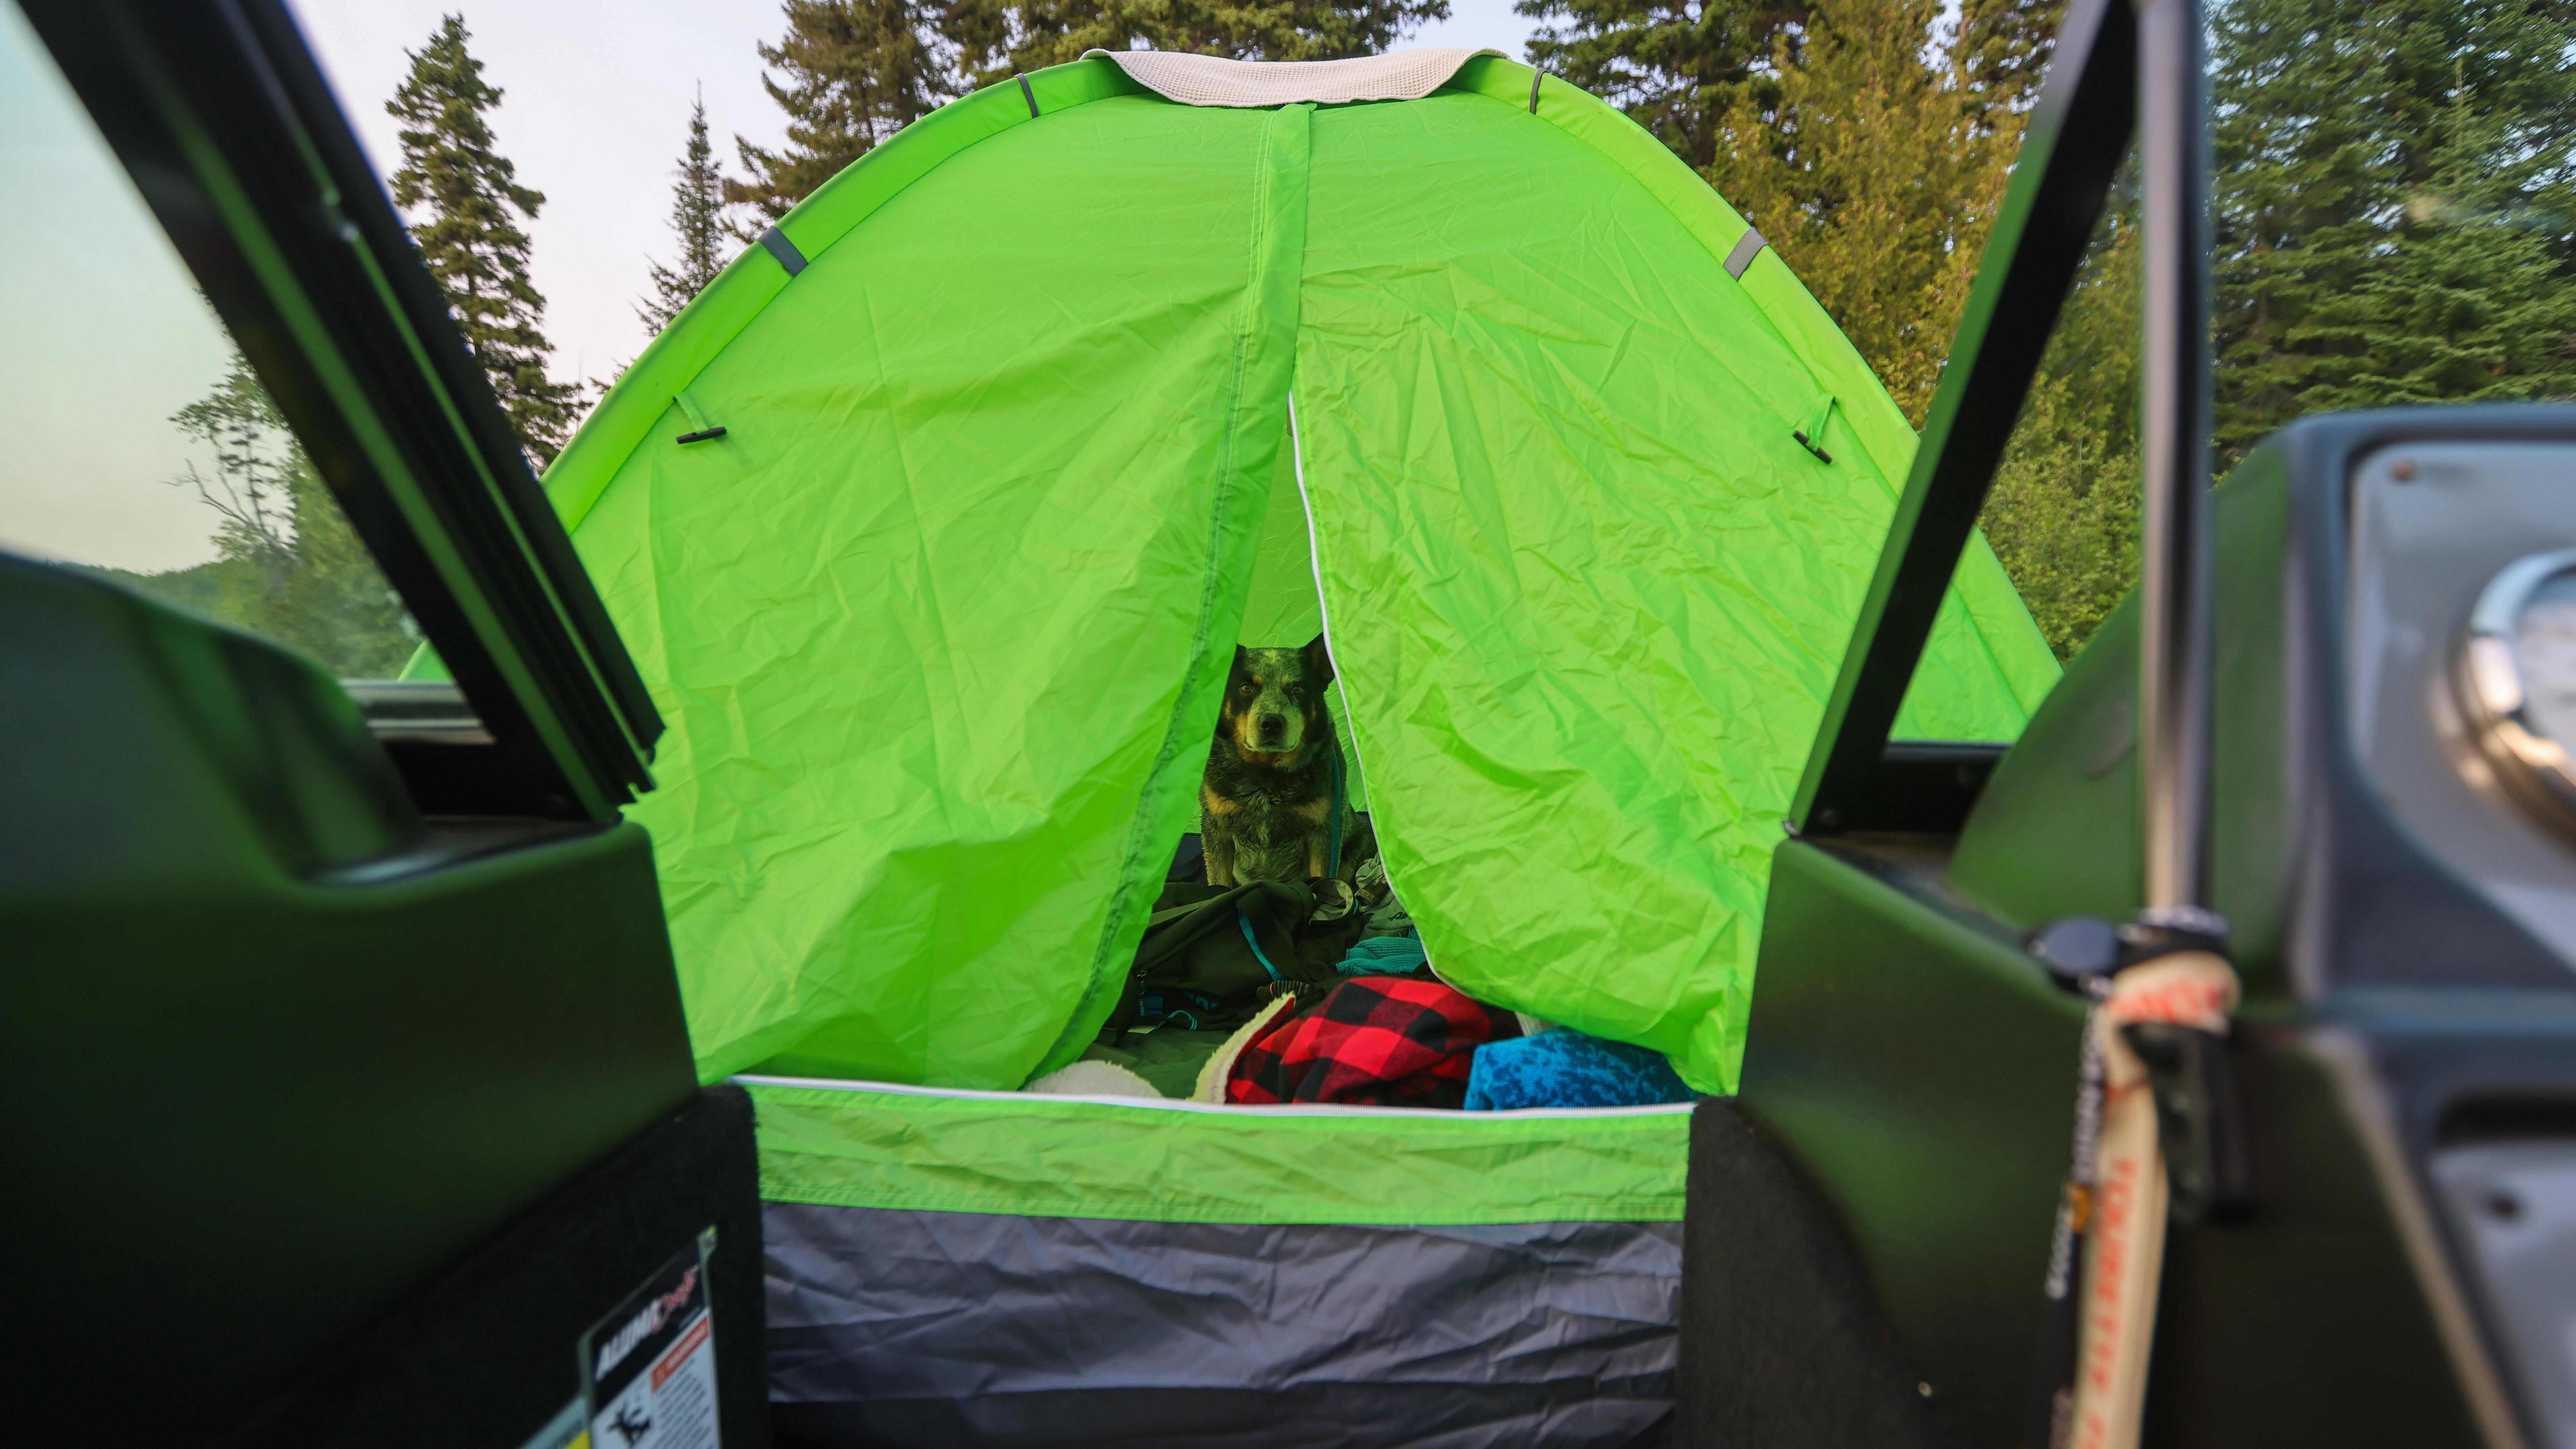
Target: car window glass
2394, 216
2063, 513
142, 448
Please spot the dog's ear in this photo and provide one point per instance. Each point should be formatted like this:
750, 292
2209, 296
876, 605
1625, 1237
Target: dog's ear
1242, 661
1319, 662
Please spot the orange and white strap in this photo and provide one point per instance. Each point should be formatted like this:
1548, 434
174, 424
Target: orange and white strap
2124, 1250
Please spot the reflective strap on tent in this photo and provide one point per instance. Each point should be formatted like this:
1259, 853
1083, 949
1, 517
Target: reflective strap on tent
1747, 247
780, 247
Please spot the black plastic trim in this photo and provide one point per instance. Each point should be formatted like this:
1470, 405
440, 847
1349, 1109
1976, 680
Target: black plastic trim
1923, 786
2075, 142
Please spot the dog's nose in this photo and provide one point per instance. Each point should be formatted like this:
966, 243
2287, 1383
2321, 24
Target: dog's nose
1273, 727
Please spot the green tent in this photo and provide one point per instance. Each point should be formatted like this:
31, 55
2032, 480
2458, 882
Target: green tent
934, 522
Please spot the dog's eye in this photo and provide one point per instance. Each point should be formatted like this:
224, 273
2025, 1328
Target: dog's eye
1247, 689
1296, 691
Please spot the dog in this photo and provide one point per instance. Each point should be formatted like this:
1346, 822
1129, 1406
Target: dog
1267, 803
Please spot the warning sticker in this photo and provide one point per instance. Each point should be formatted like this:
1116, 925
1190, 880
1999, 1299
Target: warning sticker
650, 1367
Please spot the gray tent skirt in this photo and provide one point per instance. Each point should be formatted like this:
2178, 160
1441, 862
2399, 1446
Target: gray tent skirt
961, 1268
902, 1327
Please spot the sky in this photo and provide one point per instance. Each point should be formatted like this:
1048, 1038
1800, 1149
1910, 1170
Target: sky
102, 337
106, 338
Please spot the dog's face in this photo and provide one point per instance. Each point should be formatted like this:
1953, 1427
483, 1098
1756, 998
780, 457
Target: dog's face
1274, 700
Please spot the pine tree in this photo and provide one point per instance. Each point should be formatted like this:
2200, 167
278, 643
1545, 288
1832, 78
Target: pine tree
2396, 206
994, 38
467, 207
856, 72
252, 487
1855, 177
1678, 68
1996, 61
697, 206
1999, 55
1874, 159
2063, 516
287, 565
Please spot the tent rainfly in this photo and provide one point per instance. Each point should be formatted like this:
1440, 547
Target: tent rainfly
934, 523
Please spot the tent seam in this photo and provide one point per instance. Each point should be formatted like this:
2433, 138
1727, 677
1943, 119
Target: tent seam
1324, 610
1250, 331
1571, 1208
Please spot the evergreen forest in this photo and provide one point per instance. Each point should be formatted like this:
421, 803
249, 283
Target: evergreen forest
2395, 215
2395, 199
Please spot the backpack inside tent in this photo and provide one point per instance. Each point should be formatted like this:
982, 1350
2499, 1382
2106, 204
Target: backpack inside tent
934, 524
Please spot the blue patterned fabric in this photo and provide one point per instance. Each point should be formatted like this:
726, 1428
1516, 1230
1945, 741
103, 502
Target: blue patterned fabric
1562, 1068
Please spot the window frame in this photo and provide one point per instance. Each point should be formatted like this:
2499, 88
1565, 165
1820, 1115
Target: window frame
227, 127
1856, 777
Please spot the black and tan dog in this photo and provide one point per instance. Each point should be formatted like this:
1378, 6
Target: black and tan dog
1267, 804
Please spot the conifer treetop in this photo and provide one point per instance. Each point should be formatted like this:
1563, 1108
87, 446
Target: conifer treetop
465, 206
697, 224
994, 38
1874, 156
1677, 68
2395, 202
849, 74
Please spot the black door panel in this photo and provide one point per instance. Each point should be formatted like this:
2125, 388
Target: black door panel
275, 1047
1921, 1071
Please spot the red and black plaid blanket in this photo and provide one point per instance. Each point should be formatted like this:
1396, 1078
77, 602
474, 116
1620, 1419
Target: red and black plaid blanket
1384, 1041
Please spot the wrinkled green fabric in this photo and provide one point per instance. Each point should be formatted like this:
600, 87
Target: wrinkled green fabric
1052, 1157
939, 626
1586, 591
1280, 609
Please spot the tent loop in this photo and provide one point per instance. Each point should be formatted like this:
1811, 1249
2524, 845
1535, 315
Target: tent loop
1811, 433
1536, 76
700, 430
1747, 247
1029, 93
775, 242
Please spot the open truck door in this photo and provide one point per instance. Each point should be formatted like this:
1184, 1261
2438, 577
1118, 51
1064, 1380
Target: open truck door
2316, 746
349, 1094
